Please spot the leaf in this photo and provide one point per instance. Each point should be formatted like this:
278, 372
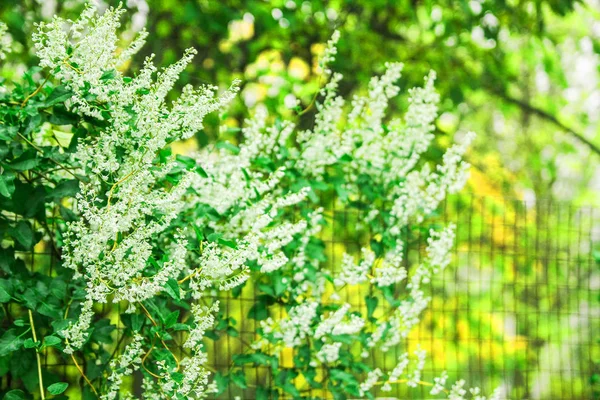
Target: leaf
30, 344
58, 288
7, 185
188, 162
108, 75
228, 146
67, 188
8, 132
51, 341
229, 243
371, 302
5, 291
172, 289
259, 310
172, 319
10, 342
16, 394
63, 138
26, 161
49, 310
278, 284
222, 382
239, 379
59, 95
23, 233
58, 388
253, 358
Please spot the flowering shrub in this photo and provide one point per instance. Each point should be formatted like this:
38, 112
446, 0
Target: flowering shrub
87, 167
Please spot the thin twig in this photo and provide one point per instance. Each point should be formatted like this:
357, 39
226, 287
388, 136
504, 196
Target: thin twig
158, 336
51, 159
549, 117
83, 375
35, 92
37, 355
110, 194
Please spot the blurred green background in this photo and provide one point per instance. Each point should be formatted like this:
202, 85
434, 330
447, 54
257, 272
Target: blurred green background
522, 74
522, 297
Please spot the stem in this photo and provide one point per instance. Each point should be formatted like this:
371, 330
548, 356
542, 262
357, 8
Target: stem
75, 360
112, 189
30, 96
83, 375
158, 336
190, 276
37, 354
51, 159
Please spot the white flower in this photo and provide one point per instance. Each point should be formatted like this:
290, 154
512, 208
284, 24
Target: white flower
329, 353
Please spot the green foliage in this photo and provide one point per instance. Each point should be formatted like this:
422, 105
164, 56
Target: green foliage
38, 135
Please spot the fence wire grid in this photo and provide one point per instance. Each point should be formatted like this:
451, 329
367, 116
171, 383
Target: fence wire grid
518, 307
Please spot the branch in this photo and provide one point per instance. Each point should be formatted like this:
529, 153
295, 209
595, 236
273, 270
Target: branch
37, 355
548, 117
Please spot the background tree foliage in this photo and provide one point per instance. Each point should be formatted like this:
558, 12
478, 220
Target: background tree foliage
523, 73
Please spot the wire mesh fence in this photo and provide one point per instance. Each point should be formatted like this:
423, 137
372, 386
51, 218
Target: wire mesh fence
518, 308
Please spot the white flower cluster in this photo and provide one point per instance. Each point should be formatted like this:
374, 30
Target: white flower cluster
126, 246
124, 365
390, 270
412, 373
370, 381
339, 322
329, 353
295, 327
330, 52
360, 142
352, 273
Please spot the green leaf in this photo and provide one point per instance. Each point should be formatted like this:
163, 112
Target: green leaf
180, 327
172, 289
10, 342
7, 185
253, 358
16, 394
30, 344
5, 291
23, 233
259, 310
371, 302
8, 132
58, 288
26, 161
172, 319
67, 188
51, 341
58, 388
59, 95
222, 382
228, 146
49, 310
343, 376
346, 158
278, 284
108, 75
63, 138
188, 162
229, 243
239, 379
